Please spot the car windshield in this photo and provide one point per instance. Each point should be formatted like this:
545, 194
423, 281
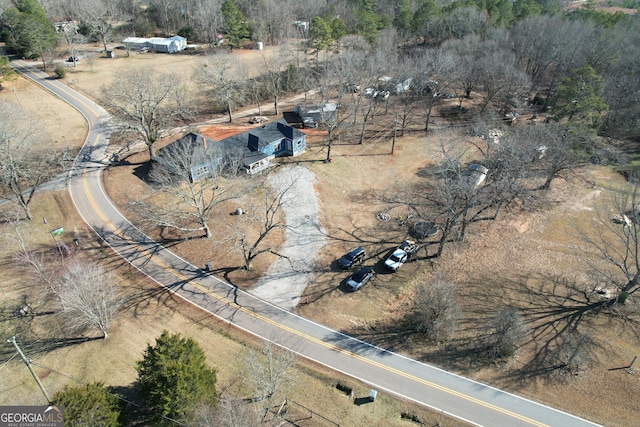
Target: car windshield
395, 257
360, 275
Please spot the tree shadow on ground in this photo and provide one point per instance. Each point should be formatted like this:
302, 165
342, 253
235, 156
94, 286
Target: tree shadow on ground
136, 411
142, 171
557, 311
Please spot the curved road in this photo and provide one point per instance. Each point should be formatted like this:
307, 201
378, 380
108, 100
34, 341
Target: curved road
460, 397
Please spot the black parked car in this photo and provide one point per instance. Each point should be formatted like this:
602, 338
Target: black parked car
359, 279
351, 258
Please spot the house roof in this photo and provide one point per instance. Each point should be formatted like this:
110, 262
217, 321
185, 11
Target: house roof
140, 40
192, 140
160, 41
318, 113
313, 108
236, 146
270, 132
254, 157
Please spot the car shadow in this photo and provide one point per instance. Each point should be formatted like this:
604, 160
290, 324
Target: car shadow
335, 266
342, 286
379, 267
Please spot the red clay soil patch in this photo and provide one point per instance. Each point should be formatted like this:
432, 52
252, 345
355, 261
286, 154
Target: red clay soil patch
218, 132
313, 132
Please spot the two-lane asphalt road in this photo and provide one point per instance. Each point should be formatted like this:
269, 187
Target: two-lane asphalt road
383, 370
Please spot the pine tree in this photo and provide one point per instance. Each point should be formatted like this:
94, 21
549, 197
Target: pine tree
173, 376
236, 29
578, 97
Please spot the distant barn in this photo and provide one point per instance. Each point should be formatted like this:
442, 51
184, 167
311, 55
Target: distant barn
157, 44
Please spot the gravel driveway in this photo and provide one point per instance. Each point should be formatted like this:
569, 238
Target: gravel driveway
288, 277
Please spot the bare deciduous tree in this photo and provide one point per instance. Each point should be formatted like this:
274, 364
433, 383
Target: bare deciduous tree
270, 20
338, 83
146, 102
613, 244
560, 149
261, 219
270, 374
23, 170
500, 80
207, 20
436, 68
275, 66
100, 15
224, 79
436, 310
89, 296
192, 199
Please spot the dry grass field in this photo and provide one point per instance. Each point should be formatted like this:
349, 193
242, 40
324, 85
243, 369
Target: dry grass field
516, 261
148, 312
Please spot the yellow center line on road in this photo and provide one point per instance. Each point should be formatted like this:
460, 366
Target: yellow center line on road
272, 322
71, 93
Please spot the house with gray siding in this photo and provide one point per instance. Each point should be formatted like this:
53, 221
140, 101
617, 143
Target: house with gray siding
252, 150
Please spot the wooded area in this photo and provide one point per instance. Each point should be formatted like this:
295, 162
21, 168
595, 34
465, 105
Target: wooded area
486, 66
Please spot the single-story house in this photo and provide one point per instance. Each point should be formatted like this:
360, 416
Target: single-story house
251, 150
311, 113
157, 44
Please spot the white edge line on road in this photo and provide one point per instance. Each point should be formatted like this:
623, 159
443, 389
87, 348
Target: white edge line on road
329, 330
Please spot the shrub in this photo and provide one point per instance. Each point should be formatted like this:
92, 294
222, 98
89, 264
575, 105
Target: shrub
506, 331
89, 404
344, 388
60, 71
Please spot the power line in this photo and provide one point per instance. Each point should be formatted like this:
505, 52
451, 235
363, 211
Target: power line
27, 362
7, 362
117, 396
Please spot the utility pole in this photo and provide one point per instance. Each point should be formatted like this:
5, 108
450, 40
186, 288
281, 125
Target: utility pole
395, 131
28, 363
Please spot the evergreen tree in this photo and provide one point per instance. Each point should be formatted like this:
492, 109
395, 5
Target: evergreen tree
236, 29
6, 72
579, 97
89, 405
320, 35
338, 29
367, 19
402, 20
524, 8
173, 376
27, 30
426, 11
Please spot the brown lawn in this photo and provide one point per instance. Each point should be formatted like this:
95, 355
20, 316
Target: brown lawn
515, 261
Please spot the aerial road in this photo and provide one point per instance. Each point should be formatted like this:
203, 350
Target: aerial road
457, 396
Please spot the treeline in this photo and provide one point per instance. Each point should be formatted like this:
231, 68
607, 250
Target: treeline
514, 53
